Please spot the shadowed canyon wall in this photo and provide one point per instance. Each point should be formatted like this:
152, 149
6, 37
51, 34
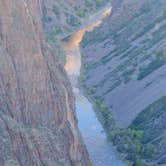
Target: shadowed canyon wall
37, 113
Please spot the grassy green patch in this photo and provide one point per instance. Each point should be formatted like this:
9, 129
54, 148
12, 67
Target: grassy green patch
83, 75
73, 21
80, 12
154, 65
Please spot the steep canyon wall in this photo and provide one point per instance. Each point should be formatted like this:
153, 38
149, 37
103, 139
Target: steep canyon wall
37, 112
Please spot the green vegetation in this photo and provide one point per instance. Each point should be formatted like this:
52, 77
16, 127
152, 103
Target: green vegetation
99, 3
157, 108
149, 26
56, 10
73, 21
104, 114
140, 143
89, 3
152, 121
51, 38
91, 90
100, 104
129, 143
83, 75
66, 15
46, 18
56, 31
127, 75
152, 66
135, 143
80, 12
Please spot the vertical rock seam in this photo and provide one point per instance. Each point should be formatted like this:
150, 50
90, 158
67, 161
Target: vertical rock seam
38, 125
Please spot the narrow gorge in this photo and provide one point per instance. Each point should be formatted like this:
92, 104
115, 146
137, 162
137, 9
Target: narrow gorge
82, 83
100, 150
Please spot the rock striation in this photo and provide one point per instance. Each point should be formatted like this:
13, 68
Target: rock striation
129, 51
123, 71
38, 125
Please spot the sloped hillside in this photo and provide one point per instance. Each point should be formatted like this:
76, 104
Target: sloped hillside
65, 16
38, 125
62, 18
129, 52
124, 72
152, 121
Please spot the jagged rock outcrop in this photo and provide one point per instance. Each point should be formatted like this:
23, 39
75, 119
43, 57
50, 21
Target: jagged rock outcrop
38, 125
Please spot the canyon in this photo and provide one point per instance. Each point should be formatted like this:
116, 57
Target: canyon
99, 148
123, 73
82, 82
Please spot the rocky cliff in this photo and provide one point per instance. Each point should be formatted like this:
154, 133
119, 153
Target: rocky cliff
37, 113
124, 66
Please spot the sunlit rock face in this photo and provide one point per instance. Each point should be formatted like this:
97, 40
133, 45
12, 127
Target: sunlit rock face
37, 115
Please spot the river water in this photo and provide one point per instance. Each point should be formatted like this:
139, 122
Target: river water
100, 151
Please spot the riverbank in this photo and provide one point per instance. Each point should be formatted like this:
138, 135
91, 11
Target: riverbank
124, 75
100, 150
135, 145
94, 136
109, 126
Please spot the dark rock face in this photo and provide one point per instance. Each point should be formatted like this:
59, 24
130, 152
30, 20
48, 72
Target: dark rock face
37, 114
